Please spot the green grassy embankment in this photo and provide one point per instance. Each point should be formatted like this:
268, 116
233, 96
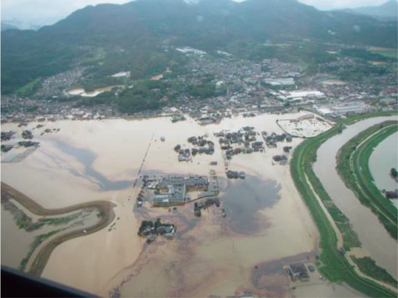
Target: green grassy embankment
332, 264
353, 168
369, 267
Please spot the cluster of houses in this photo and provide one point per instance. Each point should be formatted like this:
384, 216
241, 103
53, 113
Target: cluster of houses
151, 230
241, 141
274, 138
7, 135
26, 134
201, 146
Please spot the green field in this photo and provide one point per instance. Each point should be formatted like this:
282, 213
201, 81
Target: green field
29, 88
389, 53
353, 167
332, 264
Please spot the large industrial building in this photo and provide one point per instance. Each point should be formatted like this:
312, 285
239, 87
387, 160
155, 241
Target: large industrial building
342, 109
280, 82
298, 96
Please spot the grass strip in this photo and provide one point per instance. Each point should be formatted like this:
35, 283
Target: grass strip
353, 168
369, 267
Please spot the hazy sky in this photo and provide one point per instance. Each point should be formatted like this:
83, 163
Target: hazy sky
49, 11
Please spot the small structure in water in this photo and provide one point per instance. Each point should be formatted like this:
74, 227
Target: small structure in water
198, 206
298, 271
163, 139
151, 230
236, 175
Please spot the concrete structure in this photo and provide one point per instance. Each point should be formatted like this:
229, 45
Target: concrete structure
195, 182
342, 109
306, 126
175, 196
303, 95
351, 108
173, 189
280, 82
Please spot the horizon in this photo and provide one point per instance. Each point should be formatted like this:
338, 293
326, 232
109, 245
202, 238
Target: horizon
53, 11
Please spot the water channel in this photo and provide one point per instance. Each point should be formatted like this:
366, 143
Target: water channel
372, 234
383, 158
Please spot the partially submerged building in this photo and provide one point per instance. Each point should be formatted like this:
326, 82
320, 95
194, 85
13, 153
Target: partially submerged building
173, 190
298, 271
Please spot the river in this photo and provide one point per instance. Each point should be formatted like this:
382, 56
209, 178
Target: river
372, 234
383, 158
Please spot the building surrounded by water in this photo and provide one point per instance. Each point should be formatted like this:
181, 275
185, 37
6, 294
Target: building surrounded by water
173, 190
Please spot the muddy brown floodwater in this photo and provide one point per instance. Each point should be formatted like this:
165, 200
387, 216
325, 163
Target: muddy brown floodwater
101, 160
242, 200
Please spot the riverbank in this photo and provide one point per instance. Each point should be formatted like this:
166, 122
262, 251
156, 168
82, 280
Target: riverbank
353, 168
41, 254
332, 263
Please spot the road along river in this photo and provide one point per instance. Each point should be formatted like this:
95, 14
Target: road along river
372, 234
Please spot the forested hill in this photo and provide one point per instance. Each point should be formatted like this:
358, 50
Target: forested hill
386, 10
139, 27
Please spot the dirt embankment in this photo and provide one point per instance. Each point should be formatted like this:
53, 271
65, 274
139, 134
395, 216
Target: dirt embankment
40, 261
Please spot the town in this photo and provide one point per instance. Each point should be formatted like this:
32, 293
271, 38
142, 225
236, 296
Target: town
214, 86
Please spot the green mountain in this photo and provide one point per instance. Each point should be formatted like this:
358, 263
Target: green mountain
388, 10
5, 26
130, 35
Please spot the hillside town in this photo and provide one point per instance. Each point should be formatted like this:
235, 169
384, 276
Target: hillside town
240, 87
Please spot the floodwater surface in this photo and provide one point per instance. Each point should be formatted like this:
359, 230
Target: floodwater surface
244, 198
87, 158
383, 158
100, 160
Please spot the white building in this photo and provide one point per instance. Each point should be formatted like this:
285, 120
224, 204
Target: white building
342, 109
303, 95
281, 82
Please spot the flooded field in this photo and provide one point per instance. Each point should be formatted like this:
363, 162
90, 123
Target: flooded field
375, 240
28, 227
88, 161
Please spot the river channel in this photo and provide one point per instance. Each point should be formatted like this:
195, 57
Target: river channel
372, 234
383, 158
